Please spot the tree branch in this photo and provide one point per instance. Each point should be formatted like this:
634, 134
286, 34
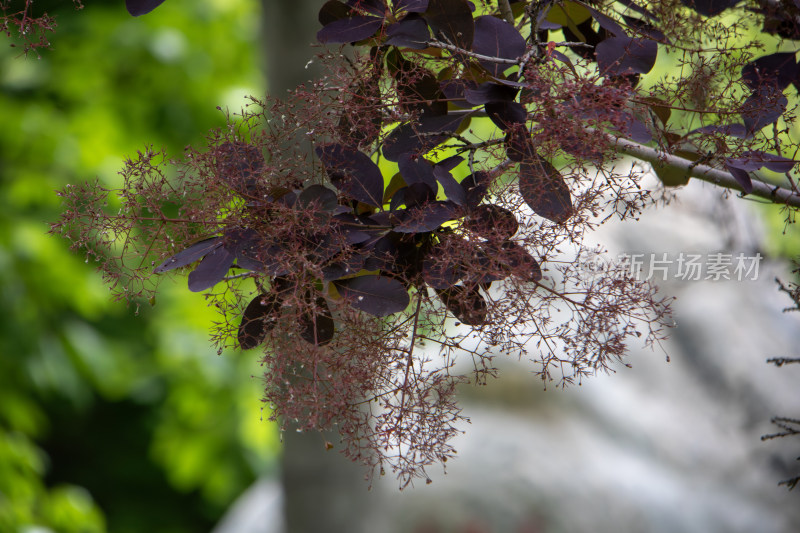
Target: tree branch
505, 10
773, 193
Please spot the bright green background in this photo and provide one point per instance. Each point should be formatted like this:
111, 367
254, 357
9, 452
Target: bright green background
110, 421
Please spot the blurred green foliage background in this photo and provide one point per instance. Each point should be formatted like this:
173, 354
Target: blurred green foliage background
111, 421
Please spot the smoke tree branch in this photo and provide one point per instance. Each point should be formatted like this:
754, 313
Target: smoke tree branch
773, 193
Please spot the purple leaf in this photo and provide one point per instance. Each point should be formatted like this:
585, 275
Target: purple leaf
763, 108
742, 177
544, 190
645, 29
211, 269
417, 170
519, 144
259, 317
316, 325
496, 38
753, 160
141, 7
489, 92
607, 23
333, 10
492, 222
623, 55
522, 263
450, 163
506, 115
319, 195
475, 186
454, 191
412, 6
779, 69
345, 267
439, 270
189, 255
635, 7
373, 294
353, 173
427, 217
454, 90
451, 21
419, 138
733, 130
376, 7
709, 7
349, 29
636, 130
411, 32
466, 304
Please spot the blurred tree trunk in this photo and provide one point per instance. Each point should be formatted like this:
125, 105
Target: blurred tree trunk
323, 491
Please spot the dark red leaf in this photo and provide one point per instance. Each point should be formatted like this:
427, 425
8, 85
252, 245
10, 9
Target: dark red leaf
521, 263
141, 7
623, 55
497, 38
607, 23
519, 144
734, 130
454, 89
349, 29
492, 222
211, 269
189, 255
258, 318
451, 21
353, 173
373, 294
466, 303
645, 29
544, 190
316, 325
439, 271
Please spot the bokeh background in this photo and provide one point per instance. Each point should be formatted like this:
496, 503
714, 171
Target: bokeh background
109, 420
113, 420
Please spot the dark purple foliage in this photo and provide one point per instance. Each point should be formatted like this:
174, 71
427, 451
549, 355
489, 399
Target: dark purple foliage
316, 325
416, 170
141, 7
496, 38
489, 92
374, 294
211, 269
709, 7
466, 304
763, 107
624, 55
189, 255
452, 189
350, 29
411, 32
414, 6
506, 115
258, 318
451, 21
421, 137
544, 190
353, 173
778, 70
